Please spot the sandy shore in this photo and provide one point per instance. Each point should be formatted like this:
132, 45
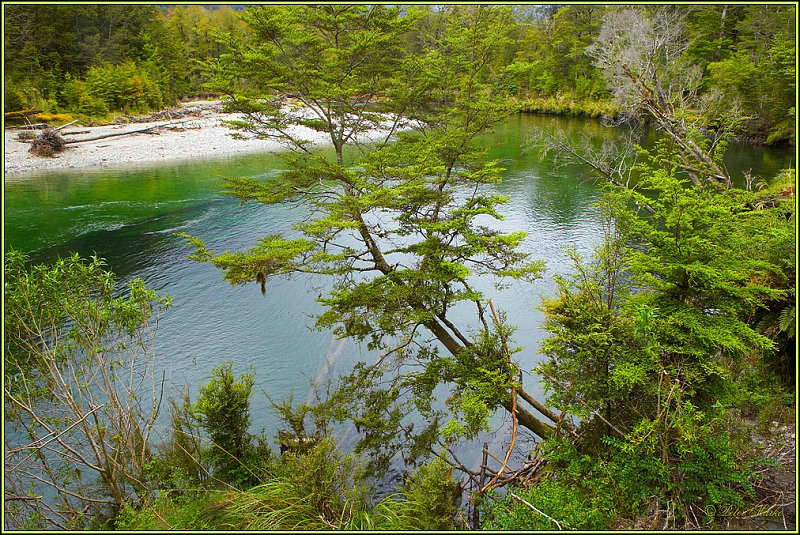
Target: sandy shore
185, 139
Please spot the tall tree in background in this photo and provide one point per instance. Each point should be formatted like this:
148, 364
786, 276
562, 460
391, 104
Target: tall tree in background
193, 32
552, 46
43, 43
759, 74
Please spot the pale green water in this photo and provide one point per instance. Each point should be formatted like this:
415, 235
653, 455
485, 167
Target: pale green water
128, 216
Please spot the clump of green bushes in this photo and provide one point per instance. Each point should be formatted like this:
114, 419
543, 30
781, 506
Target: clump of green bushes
127, 87
212, 473
566, 103
626, 487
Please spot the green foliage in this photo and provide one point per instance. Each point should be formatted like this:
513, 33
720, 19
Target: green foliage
657, 334
561, 501
223, 410
210, 444
565, 103
50, 50
777, 245
75, 96
620, 482
596, 354
181, 460
309, 490
223, 407
171, 513
711, 474
336, 59
744, 54
578, 490
431, 497
124, 87
391, 224
701, 274
752, 65
77, 367
553, 49
48, 303
45, 44
319, 489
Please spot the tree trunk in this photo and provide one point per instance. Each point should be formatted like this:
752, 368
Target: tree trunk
529, 421
525, 418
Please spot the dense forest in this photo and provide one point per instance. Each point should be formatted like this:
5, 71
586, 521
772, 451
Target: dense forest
96, 60
671, 349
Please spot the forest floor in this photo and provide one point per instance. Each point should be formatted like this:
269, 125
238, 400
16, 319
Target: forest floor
775, 500
198, 134
777, 492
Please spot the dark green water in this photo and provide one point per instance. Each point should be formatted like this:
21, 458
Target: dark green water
127, 216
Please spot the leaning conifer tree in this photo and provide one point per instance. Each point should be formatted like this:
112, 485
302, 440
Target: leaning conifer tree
401, 227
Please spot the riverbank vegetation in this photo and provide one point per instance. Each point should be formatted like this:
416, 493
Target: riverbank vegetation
93, 62
663, 345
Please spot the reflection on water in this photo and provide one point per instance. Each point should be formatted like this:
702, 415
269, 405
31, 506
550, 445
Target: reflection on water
128, 216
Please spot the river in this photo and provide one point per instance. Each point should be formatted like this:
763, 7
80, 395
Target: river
128, 216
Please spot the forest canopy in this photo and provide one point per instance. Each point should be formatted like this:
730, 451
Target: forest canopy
98, 60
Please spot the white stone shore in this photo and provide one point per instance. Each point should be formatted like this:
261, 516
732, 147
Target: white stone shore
191, 139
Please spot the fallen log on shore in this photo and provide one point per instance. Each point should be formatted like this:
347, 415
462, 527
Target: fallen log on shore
50, 142
115, 134
37, 126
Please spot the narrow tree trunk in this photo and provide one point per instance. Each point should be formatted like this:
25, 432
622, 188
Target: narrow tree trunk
525, 418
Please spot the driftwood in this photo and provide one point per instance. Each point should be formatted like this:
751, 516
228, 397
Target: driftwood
115, 134
149, 130
171, 114
50, 142
37, 126
63, 126
47, 144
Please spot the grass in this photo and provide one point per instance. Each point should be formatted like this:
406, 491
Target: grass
569, 104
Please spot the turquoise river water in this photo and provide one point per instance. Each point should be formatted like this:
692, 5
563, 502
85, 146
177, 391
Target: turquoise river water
128, 216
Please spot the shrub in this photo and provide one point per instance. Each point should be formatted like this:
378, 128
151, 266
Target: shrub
77, 385
124, 87
54, 118
223, 410
432, 497
578, 491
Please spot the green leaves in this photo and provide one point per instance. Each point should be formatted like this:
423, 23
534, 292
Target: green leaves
75, 376
72, 301
402, 227
655, 333
223, 410
335, 59
274, 255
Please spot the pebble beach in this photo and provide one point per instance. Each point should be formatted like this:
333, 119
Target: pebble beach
203, 136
